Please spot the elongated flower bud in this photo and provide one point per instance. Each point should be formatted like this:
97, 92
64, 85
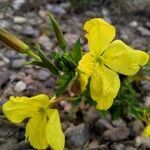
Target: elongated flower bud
16, 44
13, 41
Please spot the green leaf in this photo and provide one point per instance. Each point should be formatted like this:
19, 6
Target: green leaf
58, 32
63, 83
46, 62
76, 52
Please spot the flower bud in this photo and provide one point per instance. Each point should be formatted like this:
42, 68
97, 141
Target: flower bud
13, 41
16, 44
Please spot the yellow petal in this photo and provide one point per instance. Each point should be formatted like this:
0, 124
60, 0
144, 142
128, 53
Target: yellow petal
36, 130
54, 134
146, 131
123, 59
83, 81
19, 108
99, 35
104, 87
86, 66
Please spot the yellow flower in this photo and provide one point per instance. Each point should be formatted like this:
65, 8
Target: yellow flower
146, 131
104, 60
44, 127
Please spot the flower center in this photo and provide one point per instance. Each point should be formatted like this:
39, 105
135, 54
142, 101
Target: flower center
99, 60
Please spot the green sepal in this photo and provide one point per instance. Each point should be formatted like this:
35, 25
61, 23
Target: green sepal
64, 62
58, 32
63, 83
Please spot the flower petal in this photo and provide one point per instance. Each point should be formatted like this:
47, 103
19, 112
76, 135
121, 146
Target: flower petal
54, 134
104, 87
123, 59
86, 66
83, 81
99, 35
19, 108
36, 130
146, 131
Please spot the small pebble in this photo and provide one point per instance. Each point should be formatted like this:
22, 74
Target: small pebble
101, 125
136, 127
20, 86
119, 123
18, 63
133, 23
145, 85
4, 77
56, 9
30, 31
19, 19
45, 42
17, 4
142, 141
147, 101
77, 137
42, 75
116, 134
144, 31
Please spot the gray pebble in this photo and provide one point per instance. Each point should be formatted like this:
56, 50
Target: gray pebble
20, 86
4, 77
56, 9
18, 63
42, 75
142, 141
119, 123
30, 31
116, 134
45, 42
144, 31
17, 4
19, 19
136, 127
145, 85
101, 125
76, 137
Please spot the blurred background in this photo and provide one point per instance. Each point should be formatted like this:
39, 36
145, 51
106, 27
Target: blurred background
84, 127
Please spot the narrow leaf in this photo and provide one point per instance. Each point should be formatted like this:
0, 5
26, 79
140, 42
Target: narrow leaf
58, 32
76, 53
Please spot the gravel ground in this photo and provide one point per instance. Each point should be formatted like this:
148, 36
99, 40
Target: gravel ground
84, 129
